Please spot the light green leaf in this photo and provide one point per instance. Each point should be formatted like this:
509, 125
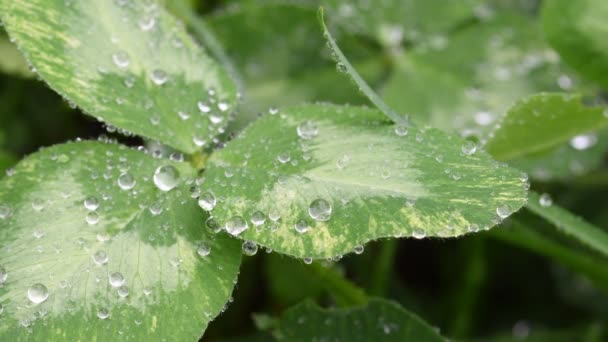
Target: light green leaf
125, 62
543, 122
345, 66
379, 320
569, 224
380, 181
577, 30
68, 225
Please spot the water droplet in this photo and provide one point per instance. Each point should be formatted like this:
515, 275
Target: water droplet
236, 225
545, 200
123, 291
258, 218
341, 67
38, 233
213, 225
275, 111
469, 147
320, 210
3, 275
284, 157
359, 249
121, 59
308, 260
166, 177
156, 208
38, 204
5, 211
419, 234
203, 107
37, 293
301, 226
183, 115
203, 249
223, 106
159, 77
92, 218
583, 141
503, 211
147, 23
126, 181
103, 313
91, 203
100, 258
401, 130
274, 214
307, 130
250, 248
342, 162
116, 279
215, 118
207, 201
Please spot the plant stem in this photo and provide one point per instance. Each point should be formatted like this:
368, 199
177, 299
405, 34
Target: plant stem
522, 236
344, 292
382, 272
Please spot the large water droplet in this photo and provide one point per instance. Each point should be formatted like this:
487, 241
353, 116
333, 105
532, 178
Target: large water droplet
116, 279
307, 130
320, 210
91, 203
207, 201
236, 225
166, 177
250, 248
37, 293
126, 181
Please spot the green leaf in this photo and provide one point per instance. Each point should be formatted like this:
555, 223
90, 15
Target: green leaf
345, 66
569, 224
577, 30
479, 72
380, 181
125, 62
150, 237
379, 320
543, 122
11, 60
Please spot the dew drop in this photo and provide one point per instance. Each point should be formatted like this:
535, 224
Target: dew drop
100, 258
401, 130
166, 177
37, 293
38, 233
91, 203
258, 218
583, 141
203, 107
103, 313
203, 249
250, 248
123, 291
308, 260
147, 23
207, 201
159, 77
126, 181
213, 225
156, 208
469, 147
419, 234
320, 210
284, 157
341, 67
307, 130
223, 106
301, 226
183, 115
236, 225
342, 162
116, 279
92, 218
359, 249
121, 59
503, 211
38, 204
545, 200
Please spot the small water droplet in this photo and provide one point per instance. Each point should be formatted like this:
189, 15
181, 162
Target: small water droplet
203, 249
103, 313
307, 130
284, 157
258, 218
38, 204
159, 77
236, 225
308, 260
100, 258
166, 177
5, 211
183, 115
401, 130
419, 234
320, 210
3, 275
545, 200
147, 23
91, 203
342, 162
223, 106
121, 59
37, 293
156, 208
203, 107
126, 181
503, 211
213, 225
250, 248
301, 226
583, 141
123, 291
469, 147
341, 67
207, 201
116, 279
359, 249
92, 218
